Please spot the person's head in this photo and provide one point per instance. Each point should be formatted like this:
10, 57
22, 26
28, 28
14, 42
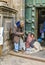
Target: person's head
18, 24
22, 24
32, 35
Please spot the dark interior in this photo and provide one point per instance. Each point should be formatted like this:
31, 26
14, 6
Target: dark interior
41, 19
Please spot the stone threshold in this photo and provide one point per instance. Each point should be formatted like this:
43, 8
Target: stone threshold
26, 56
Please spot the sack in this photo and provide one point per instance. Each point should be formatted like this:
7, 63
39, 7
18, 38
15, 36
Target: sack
37, 45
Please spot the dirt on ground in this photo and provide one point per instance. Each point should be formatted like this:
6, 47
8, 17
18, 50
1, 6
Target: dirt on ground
14, 60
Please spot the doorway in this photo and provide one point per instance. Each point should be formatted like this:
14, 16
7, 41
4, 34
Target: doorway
8, 23
41, 25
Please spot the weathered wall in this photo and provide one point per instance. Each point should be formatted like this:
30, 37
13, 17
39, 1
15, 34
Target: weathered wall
19, 5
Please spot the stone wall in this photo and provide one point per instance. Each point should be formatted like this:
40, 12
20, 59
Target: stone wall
19, 5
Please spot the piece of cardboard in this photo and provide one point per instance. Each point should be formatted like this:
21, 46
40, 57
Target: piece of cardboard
1, 49
1, 35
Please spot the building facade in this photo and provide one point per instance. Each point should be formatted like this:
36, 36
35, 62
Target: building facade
19, 5
34, 16
7, 21
31, 12
7, 17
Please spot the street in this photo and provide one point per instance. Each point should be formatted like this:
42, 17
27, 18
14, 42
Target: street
14, 60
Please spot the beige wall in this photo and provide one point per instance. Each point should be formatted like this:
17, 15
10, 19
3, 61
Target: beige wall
10, 2
19, 5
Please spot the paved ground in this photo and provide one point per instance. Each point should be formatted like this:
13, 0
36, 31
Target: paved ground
40, 54
13, 60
